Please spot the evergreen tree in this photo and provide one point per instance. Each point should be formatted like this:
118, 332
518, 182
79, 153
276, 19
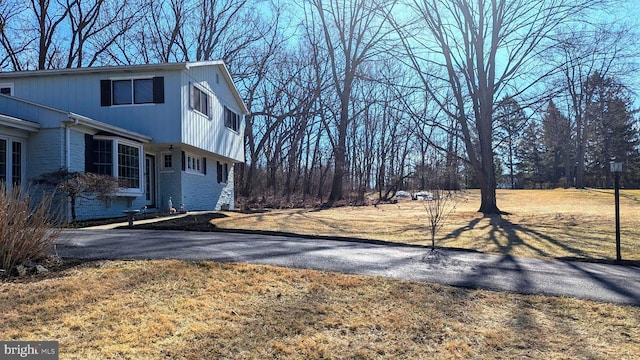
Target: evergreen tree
614, 134
510, 120
557, 141
531, 168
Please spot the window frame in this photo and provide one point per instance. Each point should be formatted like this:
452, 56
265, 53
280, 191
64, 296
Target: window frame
201, 93
9, 161
222, 172
9, 86
231, 120
196, 165
155, 95
163, 161
129, 94
115, 163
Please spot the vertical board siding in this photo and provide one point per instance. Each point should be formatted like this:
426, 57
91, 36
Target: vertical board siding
209, 133
172, 122
81, 94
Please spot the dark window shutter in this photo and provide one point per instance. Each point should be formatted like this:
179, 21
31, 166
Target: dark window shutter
204, 165
89, 154
105, 92
184, 162
158, 90
192, 96
219, 172
226, 173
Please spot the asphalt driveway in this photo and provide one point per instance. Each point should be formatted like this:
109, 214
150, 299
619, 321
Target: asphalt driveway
609, 283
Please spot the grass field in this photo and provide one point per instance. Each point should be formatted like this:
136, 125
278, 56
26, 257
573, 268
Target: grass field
539, 223
206, 310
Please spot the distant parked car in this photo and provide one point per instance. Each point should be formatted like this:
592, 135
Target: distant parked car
403, 194
423, 195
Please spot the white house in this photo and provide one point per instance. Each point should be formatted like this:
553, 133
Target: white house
167, 131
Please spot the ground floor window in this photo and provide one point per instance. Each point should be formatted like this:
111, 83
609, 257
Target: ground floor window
168, 161
223, 172
116, 157
11, 158
129, 166
3, 160
196, 164
16, 162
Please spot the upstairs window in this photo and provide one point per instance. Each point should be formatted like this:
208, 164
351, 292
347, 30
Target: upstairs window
231, 119
198, 100
132, 91
6, 89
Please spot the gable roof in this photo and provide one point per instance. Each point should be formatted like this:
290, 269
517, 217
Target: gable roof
135, 68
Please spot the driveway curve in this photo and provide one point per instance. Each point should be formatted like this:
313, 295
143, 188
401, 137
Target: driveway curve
601, 282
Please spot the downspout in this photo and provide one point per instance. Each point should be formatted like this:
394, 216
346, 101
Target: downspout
67, 160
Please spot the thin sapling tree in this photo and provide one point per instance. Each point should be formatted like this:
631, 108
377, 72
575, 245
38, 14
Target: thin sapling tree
439, 207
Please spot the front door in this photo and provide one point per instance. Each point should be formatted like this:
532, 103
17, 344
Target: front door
150, 180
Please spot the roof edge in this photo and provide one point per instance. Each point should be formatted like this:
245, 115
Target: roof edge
20, 124
98, 125
110, 68
83, 120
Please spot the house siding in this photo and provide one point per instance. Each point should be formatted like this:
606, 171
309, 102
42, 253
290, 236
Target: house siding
76, 155
227, 197
91, 208
209, 133
47, 118
59, 95
45, 152
80, 94
169, 182
201, 191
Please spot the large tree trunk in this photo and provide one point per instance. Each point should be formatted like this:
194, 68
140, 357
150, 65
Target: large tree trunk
488, 204
487, 181
340, 156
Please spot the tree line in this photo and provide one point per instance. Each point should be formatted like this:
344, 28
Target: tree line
350, 98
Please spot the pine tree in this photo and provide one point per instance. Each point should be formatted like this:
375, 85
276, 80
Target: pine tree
510, 120
557, 142
613, 135
531, 168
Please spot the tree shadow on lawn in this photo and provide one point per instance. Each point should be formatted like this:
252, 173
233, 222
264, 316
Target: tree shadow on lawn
202, 223
503, 228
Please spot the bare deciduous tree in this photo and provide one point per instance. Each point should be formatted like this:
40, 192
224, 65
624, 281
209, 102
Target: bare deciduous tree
439, 207
470, 53
75, 185
353, 32
604, 49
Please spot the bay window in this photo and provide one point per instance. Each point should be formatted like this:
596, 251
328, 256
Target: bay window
116, 157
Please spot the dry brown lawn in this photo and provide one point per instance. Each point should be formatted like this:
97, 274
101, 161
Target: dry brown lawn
540, 223
206, 310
